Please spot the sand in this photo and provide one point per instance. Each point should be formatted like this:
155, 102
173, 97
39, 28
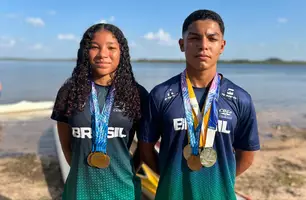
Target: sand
32, 172
279, 170
29, 177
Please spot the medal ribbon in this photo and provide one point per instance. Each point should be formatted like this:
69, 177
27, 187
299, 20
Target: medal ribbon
195, 122
100, 119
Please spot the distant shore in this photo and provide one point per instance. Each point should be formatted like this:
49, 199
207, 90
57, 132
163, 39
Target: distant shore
271, 61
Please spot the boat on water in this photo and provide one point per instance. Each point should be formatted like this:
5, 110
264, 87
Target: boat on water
149, 179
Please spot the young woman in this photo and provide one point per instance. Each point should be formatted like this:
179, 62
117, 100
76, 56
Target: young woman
98, 110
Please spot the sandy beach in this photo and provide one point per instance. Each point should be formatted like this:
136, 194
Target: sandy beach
29, 168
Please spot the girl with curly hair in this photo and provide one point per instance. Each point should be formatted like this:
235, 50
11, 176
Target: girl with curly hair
98, 110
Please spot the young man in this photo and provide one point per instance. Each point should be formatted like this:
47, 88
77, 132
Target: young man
207, 124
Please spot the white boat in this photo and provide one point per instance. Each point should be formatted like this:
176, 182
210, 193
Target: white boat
25, 106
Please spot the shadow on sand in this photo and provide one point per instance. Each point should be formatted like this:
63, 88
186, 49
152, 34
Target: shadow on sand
4, 198
50, 166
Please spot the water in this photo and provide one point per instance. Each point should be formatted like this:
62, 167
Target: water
279, 94
279, 89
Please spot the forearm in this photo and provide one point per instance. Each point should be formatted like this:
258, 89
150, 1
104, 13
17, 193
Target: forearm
68, 154
136, 160
64, 133
151, 159
243, 161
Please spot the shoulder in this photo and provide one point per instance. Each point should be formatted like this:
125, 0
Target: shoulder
162, 90
60, 104
143, 92
64, 90
233, 92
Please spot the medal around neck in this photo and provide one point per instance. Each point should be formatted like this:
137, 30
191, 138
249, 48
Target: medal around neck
194, 158
100, 160
194, 163
187, 151
98, 157
89, 159
208, 157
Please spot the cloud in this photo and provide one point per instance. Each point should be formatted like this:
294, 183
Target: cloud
68, 36
35, 21
7, 42
132, 44
51, 12
282, 20
161, 36
102, 21
37, 46
110, 20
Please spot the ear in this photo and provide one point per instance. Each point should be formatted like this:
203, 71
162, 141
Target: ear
181, 43
222, 46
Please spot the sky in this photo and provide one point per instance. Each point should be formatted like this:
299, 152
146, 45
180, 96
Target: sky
52, 29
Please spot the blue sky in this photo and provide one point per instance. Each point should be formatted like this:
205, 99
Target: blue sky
52, 29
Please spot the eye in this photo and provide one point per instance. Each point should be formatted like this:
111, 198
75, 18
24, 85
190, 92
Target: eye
112, 48
213, 39
94, 47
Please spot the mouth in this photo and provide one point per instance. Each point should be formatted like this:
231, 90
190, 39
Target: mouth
202, 56
102, 63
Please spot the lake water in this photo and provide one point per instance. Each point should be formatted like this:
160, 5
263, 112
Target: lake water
278, 90
279, 94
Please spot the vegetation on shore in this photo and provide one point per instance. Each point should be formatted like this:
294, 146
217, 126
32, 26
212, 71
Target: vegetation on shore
234, 61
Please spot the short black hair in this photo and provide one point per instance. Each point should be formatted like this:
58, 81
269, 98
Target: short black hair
203, 15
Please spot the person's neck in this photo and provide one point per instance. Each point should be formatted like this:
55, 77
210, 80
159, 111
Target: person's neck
201, 79
102, 80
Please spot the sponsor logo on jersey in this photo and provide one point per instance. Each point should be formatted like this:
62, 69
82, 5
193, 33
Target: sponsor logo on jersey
86, 132
181, 124
116, 108
229, 93
225, 113
170, 94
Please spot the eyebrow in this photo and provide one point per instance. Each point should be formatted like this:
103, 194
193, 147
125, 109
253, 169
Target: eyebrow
213, 34
109, 43
208, 34
194, 34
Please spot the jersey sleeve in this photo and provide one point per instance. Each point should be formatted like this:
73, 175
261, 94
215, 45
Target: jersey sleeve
246, 135
150, 126
58, 114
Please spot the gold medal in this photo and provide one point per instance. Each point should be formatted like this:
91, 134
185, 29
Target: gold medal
89, 158
194, 162
100, 160
187, 151
208, 157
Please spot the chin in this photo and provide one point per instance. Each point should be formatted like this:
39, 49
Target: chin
201, 66
103, 71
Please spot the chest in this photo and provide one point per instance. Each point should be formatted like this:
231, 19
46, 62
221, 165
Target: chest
175, 123
119, 126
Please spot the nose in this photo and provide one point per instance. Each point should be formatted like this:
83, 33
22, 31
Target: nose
203, 43
104, 52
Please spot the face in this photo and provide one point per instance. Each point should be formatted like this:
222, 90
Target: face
104, 53
202, 43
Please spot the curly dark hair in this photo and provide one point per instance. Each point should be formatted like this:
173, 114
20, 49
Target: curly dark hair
77, 88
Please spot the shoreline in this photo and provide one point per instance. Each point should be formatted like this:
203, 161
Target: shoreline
270, 61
